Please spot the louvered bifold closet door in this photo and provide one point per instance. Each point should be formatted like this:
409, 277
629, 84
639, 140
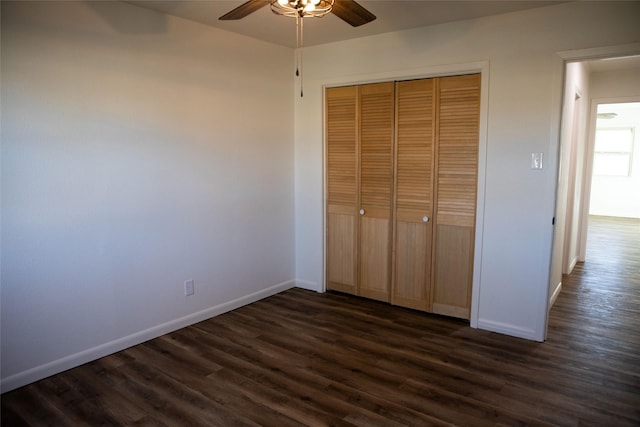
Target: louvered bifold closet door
376, 186
414, 193
342, 198
456, 183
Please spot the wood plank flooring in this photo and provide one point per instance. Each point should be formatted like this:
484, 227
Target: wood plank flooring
306, 359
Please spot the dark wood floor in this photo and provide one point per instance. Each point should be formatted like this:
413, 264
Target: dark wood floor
301, 358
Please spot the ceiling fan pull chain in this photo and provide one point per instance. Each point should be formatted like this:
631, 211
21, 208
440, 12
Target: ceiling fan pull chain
297, 45
301, 57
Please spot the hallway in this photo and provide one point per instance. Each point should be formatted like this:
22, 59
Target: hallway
597, 314
606, 287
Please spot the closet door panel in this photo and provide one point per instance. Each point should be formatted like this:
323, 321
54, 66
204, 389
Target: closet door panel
453, 268
341, 244
374, 258
402, 163
342, 198
456, 184
411, 281
414, 193
376, 103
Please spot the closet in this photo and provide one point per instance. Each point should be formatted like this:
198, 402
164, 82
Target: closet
401, 176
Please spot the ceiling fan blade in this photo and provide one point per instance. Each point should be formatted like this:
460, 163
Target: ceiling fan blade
244, 9
352, 13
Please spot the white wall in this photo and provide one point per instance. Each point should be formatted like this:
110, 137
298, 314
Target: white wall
138, 151
573, 148
524, 93
618, 196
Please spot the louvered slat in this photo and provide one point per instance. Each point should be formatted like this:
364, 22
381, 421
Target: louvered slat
458, 144
341, 146
414, 145
376, 145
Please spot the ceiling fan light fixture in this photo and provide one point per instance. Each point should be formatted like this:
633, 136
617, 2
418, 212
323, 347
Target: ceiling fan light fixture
302, 8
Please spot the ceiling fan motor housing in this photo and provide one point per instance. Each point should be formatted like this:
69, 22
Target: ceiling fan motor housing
302, 8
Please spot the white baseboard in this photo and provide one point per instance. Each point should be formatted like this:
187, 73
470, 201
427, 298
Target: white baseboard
71, 361
508, 329
573, 263
554, 295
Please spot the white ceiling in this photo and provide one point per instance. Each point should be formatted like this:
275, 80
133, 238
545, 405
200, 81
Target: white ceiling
610, 64
391, 16
627, 114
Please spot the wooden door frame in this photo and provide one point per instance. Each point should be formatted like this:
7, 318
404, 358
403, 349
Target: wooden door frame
481, 67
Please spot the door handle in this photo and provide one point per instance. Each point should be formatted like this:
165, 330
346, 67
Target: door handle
425, 219
361, 211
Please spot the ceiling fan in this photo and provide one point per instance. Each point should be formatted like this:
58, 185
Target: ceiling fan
347, 10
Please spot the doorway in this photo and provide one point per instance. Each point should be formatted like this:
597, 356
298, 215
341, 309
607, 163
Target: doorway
615, 172
613, 217
614, 91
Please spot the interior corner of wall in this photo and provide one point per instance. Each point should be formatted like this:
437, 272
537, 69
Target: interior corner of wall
308, 285
554, 295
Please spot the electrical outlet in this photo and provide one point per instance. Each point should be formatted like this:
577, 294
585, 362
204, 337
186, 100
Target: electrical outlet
188, 288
